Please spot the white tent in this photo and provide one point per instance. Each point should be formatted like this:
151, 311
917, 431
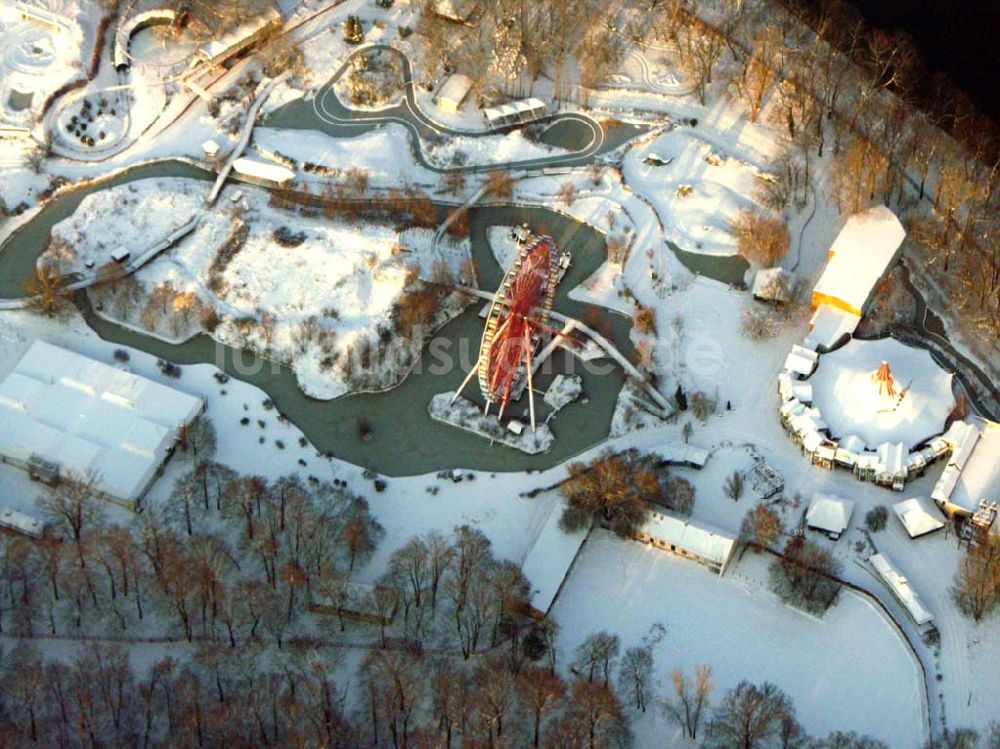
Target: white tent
83, 417
829, 513
918, 515
843, 389
859, 257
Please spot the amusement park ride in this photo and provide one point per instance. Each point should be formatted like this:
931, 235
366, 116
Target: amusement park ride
518, 315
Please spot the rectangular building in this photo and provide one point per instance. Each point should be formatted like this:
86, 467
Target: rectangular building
861, 254
64, 415
688, 539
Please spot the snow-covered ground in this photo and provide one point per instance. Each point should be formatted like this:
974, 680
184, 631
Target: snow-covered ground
848, 671
385, 154
489, 149
308, 291
696, 189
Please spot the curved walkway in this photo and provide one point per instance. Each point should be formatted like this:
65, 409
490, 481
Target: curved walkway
331, 110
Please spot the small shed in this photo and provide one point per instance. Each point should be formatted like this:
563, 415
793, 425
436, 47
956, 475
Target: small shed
263, 170
454, 91
354, 601
919, 516
774, 285
829, 514
801, 361
210, 147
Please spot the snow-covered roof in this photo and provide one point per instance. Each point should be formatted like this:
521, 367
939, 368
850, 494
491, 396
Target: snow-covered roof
455, 89
682, 453
774, 284
801, 360
853, 404
892, 458
89, 417
352, 597
829, 512
700, 540
210, 147
918, 515
807, 422
828, 325
900, 588
792, 407
860, 255
21, 523
973, 470
263, 170
853, 443
550, 556
811, 441
238, 37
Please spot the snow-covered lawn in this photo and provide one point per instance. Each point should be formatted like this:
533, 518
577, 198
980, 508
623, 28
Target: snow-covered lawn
386, 153
848, 671
309, 291
489, 149
696, 189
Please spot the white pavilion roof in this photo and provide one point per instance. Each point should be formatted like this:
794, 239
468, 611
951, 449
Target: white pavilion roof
851, 403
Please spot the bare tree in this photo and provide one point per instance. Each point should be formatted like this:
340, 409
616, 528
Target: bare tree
734, 485
613, 489
761, 239
977, 583
540, 692
635, 675
690, 698
761, 527
749, 717
597, 655
73, 503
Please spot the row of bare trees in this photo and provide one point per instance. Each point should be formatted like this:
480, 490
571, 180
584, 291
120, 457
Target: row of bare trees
220, 697
230, 559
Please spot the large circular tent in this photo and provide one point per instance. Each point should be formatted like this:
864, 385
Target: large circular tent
882, 391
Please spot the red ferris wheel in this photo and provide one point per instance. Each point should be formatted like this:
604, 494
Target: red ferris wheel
518, 315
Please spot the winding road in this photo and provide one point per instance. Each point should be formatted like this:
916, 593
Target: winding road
408, 113
922, 333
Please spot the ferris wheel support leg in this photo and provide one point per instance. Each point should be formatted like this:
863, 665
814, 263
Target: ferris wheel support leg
531, 387
475, 368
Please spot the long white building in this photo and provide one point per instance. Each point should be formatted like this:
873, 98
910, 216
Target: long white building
63, 415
